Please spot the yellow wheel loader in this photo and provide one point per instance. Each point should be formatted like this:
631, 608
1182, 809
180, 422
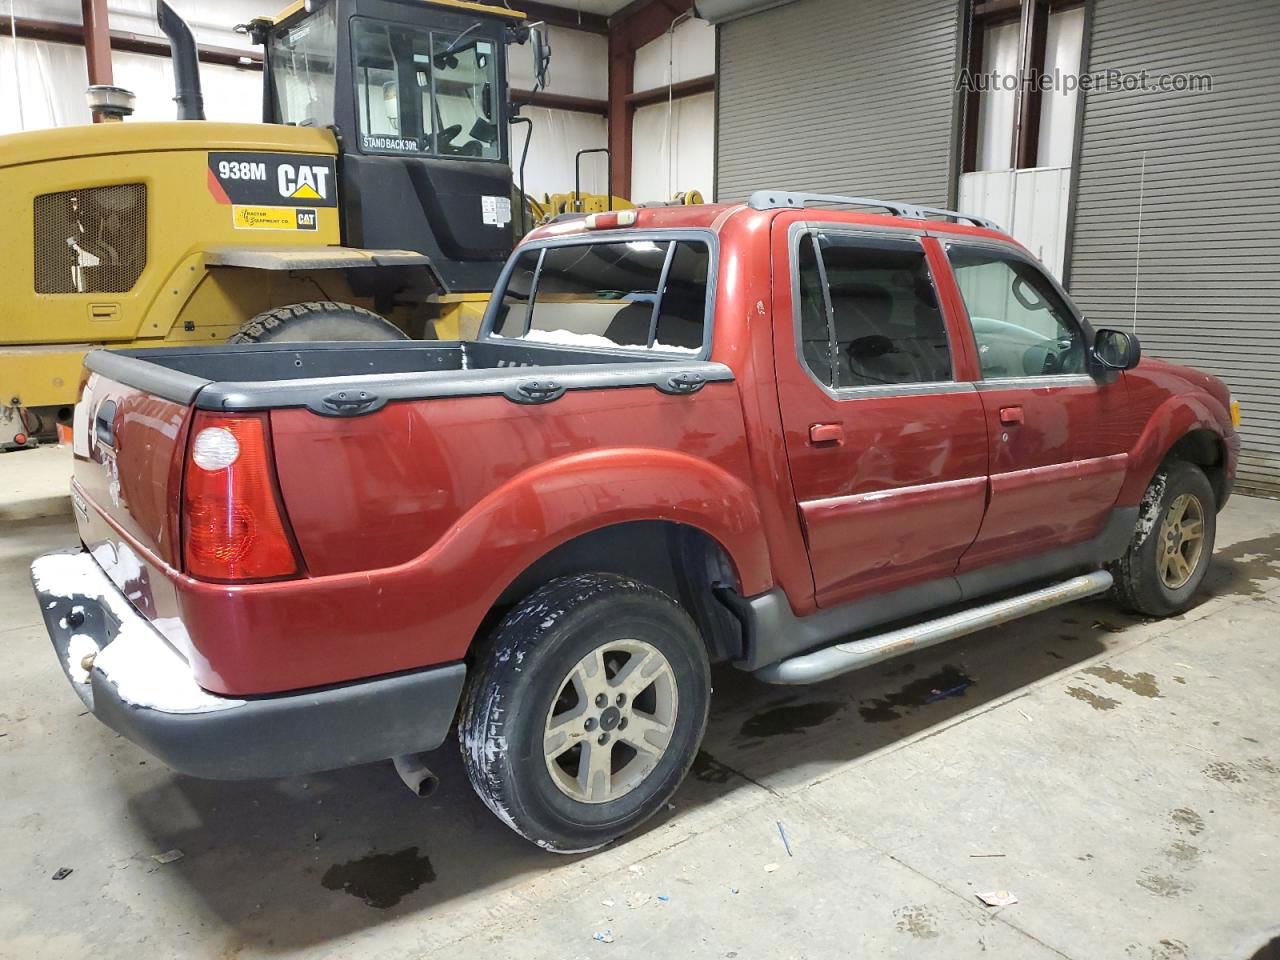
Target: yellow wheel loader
374, 202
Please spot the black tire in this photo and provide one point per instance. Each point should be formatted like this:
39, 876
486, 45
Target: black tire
519, 679
316, 320
1139, 584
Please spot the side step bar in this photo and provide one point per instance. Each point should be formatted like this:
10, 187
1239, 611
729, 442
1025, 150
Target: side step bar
853, 654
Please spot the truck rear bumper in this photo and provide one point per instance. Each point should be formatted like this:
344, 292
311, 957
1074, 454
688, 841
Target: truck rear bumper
138, 685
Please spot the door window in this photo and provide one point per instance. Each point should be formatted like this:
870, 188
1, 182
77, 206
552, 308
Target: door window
869, 313
1021, 325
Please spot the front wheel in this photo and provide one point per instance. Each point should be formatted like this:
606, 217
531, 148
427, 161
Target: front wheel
585, 712
1172, 545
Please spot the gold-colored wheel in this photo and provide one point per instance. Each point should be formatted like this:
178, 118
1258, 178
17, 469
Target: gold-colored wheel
1181, 541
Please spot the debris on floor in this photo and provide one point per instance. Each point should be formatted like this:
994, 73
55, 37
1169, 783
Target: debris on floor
62, 873
786, 843
605, 936
998, 898
770, 867
169, 856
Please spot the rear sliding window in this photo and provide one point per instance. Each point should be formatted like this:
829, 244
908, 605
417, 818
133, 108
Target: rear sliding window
633, 294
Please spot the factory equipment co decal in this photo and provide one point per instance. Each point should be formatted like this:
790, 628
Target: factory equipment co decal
273, 191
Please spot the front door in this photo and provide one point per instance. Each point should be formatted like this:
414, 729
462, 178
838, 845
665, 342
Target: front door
1056, 430
888, 452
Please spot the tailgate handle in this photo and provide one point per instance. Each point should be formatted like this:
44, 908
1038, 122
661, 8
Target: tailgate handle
349, 403
104, 423
682, 383
536, 391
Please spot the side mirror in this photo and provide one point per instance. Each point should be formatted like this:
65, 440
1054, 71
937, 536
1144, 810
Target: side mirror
541, 54
1116, 350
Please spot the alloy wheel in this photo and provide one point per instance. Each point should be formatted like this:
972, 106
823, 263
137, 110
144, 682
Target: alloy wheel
611, 721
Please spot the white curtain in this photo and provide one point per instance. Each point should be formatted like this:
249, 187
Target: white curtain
557, 136
1064, 39
995, 117
685, 53
675, 151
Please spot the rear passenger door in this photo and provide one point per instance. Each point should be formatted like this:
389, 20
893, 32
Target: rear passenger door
1057, 429
888, 452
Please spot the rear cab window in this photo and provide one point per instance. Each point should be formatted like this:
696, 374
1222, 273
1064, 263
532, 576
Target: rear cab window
644, 294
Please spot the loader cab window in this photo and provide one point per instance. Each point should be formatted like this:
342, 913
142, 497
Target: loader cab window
425, 92
302, 69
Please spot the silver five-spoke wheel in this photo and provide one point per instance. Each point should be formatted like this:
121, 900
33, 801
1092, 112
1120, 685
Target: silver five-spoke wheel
611, 721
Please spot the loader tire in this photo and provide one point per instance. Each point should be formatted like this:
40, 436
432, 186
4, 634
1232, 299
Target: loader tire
316, 320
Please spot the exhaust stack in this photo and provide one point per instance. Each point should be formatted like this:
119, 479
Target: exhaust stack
186, 64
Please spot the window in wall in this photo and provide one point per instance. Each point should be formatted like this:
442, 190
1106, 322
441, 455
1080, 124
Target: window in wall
638, 294
1021, 326
873, 303
1010, 122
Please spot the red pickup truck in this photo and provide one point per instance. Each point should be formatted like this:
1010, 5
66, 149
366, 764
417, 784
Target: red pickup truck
784, 434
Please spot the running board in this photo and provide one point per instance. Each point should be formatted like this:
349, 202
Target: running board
842, 657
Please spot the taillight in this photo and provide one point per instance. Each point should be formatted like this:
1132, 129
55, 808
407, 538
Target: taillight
233, 527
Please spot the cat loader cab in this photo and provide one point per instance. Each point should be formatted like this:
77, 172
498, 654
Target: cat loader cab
416, 93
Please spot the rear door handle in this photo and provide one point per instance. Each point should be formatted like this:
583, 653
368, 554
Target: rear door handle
1011, 416
826, 433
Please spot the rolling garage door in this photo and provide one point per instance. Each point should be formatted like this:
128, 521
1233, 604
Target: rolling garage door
838, 96
1209, 278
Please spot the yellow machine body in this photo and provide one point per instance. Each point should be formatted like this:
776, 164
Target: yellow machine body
201, 265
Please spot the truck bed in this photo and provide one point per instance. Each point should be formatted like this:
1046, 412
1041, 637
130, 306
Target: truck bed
415, 478
344, 379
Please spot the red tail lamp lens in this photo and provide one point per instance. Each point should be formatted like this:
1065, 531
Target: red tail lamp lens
233, 527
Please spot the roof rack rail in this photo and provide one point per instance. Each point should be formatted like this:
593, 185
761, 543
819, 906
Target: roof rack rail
788, 200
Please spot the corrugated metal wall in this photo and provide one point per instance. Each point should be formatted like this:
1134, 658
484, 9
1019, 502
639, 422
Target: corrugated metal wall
1209, 283
847, 96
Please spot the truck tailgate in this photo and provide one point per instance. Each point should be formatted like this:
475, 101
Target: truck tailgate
126, 489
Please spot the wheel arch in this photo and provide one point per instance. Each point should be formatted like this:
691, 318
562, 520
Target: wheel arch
1182, 428
681, 559
1207, 450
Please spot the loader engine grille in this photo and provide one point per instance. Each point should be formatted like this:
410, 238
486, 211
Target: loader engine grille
92, 240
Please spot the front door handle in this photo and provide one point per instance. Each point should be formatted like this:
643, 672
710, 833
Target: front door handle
1011, 416
826, 433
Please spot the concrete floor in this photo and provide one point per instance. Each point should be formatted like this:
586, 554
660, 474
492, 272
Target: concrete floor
1121, 778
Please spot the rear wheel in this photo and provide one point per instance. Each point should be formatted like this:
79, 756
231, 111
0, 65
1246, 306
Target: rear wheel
1172, 545
313, 321
585, 712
